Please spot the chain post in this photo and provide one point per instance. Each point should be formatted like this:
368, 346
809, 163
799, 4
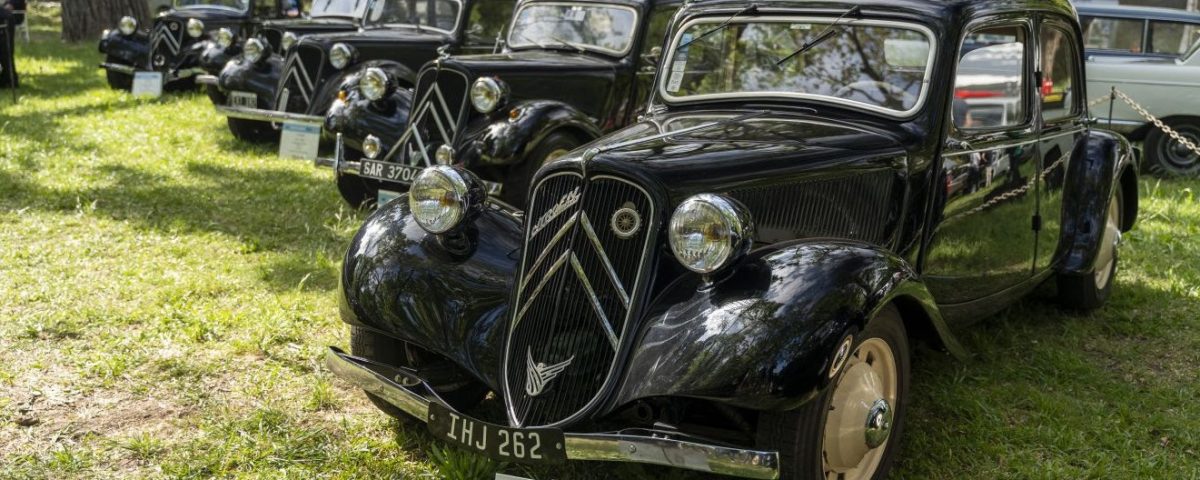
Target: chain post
1112, 102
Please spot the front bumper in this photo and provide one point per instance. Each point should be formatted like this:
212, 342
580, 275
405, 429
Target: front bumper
206, 79
642, 446
339, 163
168, 77
272, 116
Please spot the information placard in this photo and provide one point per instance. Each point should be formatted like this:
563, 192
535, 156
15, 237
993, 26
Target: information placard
147, 84
299, 140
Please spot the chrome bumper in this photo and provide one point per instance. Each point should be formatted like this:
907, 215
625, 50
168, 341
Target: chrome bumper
339, 162
610, 447
116, 67
170, 77
273, 116
207, 80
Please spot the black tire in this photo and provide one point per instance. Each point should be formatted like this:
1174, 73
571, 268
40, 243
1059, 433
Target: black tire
1091, 291
516, 186
798, 435
117, 80
252, 131
1168, 157
215, 95
358, 192
389, 351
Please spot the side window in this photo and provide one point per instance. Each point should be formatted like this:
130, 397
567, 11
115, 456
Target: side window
1172, 38
1113, 34
1059, 74
989, 87
487, 19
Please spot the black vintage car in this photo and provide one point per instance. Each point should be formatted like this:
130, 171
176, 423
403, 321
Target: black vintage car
572, 71
735, 283
257, 61
398, 36
177, 41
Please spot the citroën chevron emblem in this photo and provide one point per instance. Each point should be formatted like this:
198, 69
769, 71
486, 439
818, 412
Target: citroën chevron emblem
537, 375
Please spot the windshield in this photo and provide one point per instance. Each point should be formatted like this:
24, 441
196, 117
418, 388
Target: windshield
579, 26
338, 8
441, 15
239, 5
876, 65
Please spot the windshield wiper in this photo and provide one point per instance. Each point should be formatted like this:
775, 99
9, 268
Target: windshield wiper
753, 8
530, 40
569, 44
824, 35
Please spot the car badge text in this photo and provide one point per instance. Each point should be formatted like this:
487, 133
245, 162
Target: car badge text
537, 375
564, 203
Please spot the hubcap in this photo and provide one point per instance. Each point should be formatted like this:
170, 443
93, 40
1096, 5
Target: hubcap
861, 413
1107, 256
1178, 154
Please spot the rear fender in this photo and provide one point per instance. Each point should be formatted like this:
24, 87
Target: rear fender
1098, 166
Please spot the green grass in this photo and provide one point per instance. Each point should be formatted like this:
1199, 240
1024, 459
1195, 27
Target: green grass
166, 294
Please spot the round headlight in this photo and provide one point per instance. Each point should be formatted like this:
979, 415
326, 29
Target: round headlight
372, 147
708, 232
340, 55
487, 94
127, 25
375, 84
289, 40
254, 50
195, 28
225, 38
442, 196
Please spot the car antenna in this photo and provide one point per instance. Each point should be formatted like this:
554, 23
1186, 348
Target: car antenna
824, 35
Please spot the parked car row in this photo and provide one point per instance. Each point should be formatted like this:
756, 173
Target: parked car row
705, 234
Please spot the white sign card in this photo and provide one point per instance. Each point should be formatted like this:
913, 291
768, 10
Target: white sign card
147, 84
300, 141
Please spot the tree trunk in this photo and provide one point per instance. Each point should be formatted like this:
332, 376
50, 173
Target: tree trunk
86, 19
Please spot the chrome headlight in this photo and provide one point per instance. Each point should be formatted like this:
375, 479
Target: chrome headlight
127, 25
340, 55
487, 94
375, 84
709, 232
195, 28
225, 38
442, 197
444, 155
254, 50
289, 40
372, 147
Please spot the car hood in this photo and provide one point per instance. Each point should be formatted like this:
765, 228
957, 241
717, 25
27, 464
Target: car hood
306, 23
398, 36
203, 13
537, 63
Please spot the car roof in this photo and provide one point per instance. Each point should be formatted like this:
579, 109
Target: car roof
1127, 11
632, 3
935, 11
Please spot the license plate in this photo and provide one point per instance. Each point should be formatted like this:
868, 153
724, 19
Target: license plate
243, 99
392, 172
502, 476
519, 445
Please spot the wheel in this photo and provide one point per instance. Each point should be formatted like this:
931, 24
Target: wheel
555, 145
183, 85
252, 131
117, 80
1170, 157
851, 430
389, 351
215, 95
1091, 291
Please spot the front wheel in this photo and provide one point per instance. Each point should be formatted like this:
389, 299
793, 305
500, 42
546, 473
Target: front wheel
1170, 156
852, 430
117, 80
1090, 291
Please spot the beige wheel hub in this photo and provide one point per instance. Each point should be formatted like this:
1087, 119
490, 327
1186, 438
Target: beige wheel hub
859, 422
1108, 244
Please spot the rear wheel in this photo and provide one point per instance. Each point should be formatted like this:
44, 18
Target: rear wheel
389, 351
1170, 156
1091, 291
852, 430
555, 145
117, 80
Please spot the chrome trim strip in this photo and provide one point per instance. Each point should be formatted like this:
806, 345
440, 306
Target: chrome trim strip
295, 69
546, 251
269, 115
116, 67
608, 447
1018, 143
441, 118
207, 80
562, 259
163, 32
591, 293
608, 266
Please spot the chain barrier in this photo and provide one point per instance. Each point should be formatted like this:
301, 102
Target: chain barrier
1152, 119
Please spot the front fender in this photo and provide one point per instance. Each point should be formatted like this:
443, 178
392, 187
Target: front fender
356, 117
261, 79
764, 337
347, 80
213, 57
1095, 173
448, 295
133, 49
507, 138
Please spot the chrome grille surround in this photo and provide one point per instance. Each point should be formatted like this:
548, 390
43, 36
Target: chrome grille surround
165, 43
302, 75
441, 109
579, 288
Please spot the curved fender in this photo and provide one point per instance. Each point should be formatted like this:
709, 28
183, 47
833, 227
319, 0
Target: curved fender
261, 79
357, 117
213, 57
327, 91
134, 49
1097, 164
764, 337
446, 294
507, 140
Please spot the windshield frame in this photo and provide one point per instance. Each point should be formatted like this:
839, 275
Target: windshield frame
367, 23
637, 23
922, 98
359, 12
176, 6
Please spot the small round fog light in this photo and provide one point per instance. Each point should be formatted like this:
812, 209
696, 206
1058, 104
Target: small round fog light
444, 155
372, 147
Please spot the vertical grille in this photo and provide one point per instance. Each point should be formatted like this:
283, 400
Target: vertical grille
441, 109
301, 77
579, 287
818, 208
166, 40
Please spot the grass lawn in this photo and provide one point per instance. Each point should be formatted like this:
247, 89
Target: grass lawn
166, 294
